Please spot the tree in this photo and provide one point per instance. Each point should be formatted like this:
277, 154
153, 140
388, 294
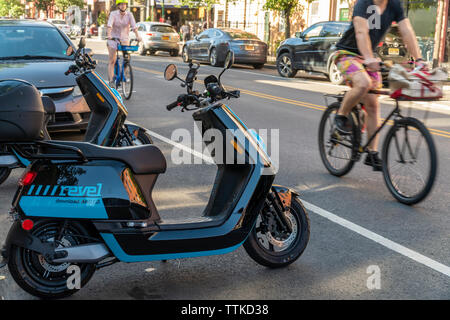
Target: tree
201, 3
286, 8
63, 5
11, 8
44, 5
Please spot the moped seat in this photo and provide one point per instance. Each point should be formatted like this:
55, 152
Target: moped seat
146, 159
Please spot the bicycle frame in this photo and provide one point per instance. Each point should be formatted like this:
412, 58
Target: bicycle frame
119, 76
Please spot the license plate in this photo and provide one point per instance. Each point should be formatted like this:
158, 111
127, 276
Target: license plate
165, 37
250, 47
393, 51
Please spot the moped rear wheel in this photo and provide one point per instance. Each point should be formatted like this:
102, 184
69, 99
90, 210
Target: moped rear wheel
269, 246
41, 277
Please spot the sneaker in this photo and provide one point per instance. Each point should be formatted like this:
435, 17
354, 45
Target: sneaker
373, 160
343, 124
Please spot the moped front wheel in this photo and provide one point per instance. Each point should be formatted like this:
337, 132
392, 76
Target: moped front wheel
272, 247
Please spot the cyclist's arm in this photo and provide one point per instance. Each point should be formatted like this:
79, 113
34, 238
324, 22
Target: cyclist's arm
363, 41
409, 38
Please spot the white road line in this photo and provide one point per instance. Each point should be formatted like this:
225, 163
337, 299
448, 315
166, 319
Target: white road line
437, 266
413, 255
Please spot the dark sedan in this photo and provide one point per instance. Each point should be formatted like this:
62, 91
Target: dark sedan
313, 50
35, 51
213, 44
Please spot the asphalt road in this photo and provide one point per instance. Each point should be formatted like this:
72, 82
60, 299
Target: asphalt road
356, 225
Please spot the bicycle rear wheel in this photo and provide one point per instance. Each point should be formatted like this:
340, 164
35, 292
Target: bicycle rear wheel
409, 161
127, 81
338, 152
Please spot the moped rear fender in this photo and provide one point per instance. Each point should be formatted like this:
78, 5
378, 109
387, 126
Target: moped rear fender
19, 237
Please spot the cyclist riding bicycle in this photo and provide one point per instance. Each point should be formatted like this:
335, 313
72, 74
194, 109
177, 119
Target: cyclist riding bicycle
356, 60
119, 24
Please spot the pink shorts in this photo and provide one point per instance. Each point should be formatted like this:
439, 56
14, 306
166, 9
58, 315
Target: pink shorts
349, 64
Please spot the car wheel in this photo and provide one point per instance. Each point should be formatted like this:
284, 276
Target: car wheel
151, 52
285, 66
185, 54
174, 53
141, 50
335, 75
213, 59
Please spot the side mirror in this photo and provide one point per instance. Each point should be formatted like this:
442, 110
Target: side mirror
299, 35
196, 38
82, 43
171, 72
229, 60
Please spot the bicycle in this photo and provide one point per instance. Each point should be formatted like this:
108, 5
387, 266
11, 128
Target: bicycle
400, 149
123, 73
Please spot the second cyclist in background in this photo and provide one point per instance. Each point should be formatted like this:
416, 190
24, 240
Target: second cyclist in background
356, 60
119, 24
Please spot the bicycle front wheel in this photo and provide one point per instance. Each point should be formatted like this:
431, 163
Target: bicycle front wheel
409, 161
127, 81
338, 152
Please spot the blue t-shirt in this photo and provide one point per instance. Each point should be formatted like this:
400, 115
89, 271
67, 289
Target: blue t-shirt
378, 25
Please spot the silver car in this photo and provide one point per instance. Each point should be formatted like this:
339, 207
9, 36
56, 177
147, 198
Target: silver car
157, 36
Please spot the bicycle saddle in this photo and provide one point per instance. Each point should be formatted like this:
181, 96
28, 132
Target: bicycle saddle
146, 159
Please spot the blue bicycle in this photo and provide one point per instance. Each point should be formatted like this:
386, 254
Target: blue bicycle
123, 73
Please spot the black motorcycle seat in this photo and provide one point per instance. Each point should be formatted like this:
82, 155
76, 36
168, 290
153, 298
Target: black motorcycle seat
146, 159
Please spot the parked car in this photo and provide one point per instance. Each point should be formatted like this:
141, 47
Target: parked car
157, 36
312, 50
61, 25
212, 45
35, 51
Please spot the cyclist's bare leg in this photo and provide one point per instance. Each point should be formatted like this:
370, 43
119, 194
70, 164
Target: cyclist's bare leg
111, 62
361, 83
372, 105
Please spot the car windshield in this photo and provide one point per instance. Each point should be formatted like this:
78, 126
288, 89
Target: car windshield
242, 35
32, 42
162, 29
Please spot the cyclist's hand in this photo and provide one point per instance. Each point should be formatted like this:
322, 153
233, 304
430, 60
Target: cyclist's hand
372, 64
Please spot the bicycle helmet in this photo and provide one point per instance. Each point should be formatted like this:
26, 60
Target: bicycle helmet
121, 1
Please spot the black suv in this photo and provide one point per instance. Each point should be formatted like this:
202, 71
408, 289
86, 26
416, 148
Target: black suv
312, 50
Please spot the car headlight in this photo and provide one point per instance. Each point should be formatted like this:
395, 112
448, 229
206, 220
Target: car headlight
76, 92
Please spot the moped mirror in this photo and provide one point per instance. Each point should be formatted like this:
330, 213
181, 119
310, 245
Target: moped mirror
229, 60
171, 72
69, 51
82, 43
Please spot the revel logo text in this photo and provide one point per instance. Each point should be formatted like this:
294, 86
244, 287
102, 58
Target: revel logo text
65, 191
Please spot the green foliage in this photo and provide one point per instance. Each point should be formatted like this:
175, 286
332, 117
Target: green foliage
199, 3
63, 5
101, 19
284, 6
11, 8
